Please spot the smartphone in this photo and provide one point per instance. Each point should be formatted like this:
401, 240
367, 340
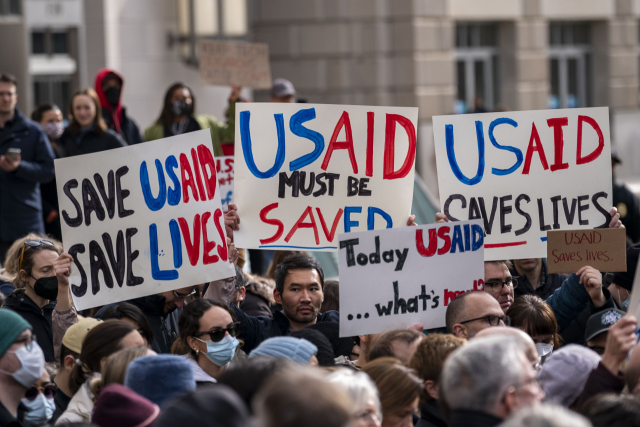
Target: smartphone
13, 153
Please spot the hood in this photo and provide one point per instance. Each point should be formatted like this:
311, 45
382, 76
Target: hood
115, 112
18, 300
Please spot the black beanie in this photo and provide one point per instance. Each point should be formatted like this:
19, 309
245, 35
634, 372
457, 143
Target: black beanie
331, 330
625, 279
325, 354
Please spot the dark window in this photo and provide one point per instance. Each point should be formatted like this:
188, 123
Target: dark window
9, 7
60, 42
38, 42
52, 89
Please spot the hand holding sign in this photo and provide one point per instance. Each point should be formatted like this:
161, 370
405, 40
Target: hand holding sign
592, 281
621, 338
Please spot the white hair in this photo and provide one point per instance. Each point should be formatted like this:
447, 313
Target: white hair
546, 416
477, 375
359, 386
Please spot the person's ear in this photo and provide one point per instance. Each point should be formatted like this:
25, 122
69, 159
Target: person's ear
460, 331
241, 294
69, 362
23, 276
509, 402
277, 296
363, 340
431, 388
192, 343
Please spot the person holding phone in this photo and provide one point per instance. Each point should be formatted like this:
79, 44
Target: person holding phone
26, 161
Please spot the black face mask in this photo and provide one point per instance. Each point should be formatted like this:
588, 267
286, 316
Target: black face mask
47, 287
113, 95
180, 108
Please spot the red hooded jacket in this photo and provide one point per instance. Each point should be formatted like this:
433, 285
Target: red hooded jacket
116, 113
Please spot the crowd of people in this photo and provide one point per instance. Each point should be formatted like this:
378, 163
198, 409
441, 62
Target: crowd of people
531, 349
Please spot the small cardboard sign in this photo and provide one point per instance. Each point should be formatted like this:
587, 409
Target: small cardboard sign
234, 63
399, 277
603, 249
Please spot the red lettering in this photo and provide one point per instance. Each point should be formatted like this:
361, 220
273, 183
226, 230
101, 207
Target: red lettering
389, 147
433, 243
278, 223
193, 247
222, 247
208, 246
229, 164
187, 179
334, 226
596, 153
534, 145
206, 159
341, 145
558, 142
196, 171
370, 128
300, 224
443, 233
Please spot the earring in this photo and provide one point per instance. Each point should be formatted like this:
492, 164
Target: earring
197, 351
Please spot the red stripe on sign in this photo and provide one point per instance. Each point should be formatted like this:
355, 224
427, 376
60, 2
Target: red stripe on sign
504, 245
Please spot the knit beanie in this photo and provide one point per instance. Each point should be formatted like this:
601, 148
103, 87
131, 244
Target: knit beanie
565, 373
341, 346
325, 350
11, 326
160, 378
294, 349
119, 406
624, 279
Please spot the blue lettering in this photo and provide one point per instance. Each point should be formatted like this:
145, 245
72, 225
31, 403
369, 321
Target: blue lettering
348, 210
514, 150
245, 136
371, 217
156, 273
295, 124
176, 241
452, 155
456, 241
467, 237
173, 197
153, 203
479, 241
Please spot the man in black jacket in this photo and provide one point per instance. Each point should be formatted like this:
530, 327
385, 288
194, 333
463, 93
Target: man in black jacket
109, 86
534, 279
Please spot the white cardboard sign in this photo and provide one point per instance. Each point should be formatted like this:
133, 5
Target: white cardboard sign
143, 219
392, 279
226, 177
307, 172
525, 173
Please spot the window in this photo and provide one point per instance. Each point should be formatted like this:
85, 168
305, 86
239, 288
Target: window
48, 42
52, 89
38, 44
9, 7
477, 66
570, 67
59, 42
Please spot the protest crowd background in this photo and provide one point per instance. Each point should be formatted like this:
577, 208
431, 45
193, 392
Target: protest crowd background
264, 347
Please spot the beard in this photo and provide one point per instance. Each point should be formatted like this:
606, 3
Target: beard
293, 314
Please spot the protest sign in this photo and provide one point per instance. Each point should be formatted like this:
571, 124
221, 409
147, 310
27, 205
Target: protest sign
305, 172
142, 219
224, 166
634, 304
396, 278
542, 170
234, 63
570, 250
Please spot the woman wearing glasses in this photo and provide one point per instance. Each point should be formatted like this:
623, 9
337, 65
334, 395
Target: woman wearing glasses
39, 401
208, 331
40, 267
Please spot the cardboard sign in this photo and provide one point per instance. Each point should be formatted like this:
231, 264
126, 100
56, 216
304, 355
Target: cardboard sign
234, 63
142, 219
392, 279
525, 173
603, 249
307, 172
224, 166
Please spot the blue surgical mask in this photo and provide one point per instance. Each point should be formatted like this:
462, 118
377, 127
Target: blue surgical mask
40, 410
32, 365
221, 352
624, 305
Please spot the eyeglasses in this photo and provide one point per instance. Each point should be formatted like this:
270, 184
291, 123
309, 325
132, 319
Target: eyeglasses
216, 334
48, 390
496, 285
492, 319
32, 244
182, 296
28, 341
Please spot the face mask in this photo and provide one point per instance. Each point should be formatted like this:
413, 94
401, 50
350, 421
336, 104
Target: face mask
54, 130
113, 95
47, 287
223, 351
180, 108
32, 365
624, 305
544, 351
40, 410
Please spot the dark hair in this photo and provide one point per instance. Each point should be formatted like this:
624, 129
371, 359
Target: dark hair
189, 323
534, 316
64, 352
398, 385
612, 410
325, 354
278, 257
331, 292
383, 345
132, 312
239, 278
296, 262
99, 126
455, 308
247, 376
38, 113
166, 116
331, 330
101, 341
8, 78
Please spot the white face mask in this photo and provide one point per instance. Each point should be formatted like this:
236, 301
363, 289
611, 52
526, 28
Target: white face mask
544, 351
32, 365
40, 410
624, 305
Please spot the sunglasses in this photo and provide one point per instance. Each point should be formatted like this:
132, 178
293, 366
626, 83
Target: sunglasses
183, 296
216, 334
32, 244
49, 392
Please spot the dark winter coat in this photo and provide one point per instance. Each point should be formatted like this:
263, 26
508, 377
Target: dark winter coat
90, 141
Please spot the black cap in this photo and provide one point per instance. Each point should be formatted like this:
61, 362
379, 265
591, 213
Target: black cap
614, 157
601, 322
624, 279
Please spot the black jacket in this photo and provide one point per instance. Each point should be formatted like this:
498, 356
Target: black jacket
469, 418
20, 203
164, 325
548, 283
86, 142
39, 318
431, 415
8, 420
129, 130
629, 210
574, 333
62, 402
254, 330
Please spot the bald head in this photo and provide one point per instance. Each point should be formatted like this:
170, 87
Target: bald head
467, 314
525, 340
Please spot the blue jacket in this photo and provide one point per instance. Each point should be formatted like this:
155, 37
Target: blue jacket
20, 203
568, 301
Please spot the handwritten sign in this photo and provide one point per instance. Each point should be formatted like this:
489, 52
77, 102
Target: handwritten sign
525, 173
143, 219
234, 63
224, 166
603, 249
305, 172
396, 278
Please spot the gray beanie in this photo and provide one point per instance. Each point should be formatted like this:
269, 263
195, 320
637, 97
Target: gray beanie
565, 373
295, 349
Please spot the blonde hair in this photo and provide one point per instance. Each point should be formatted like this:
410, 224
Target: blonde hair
115, 367
397, 384
12, 261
